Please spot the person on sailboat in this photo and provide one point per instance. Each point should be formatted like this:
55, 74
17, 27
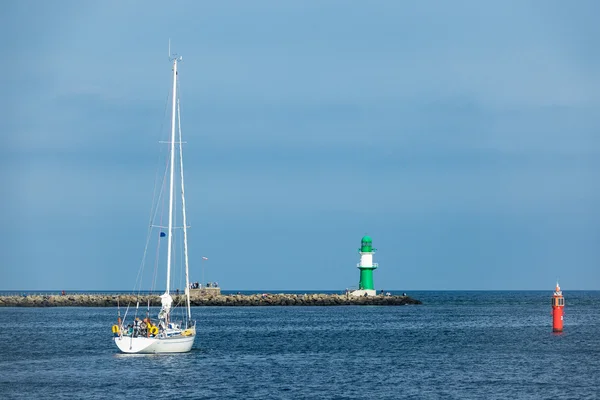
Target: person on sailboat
136, 327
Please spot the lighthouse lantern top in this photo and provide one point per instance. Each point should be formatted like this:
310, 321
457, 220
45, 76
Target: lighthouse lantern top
557, 291
366, 244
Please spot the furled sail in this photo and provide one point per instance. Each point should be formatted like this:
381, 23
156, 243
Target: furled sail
166, 300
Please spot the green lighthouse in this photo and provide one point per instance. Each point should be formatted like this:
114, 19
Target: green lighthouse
366, 267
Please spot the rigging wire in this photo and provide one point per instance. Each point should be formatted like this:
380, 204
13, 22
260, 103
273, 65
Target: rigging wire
184, 274
139, 277
158, 244
184, 215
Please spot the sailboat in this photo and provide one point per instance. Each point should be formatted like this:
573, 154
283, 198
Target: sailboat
164, 334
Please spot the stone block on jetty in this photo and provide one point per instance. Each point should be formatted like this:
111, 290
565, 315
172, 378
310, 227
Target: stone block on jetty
205, 291
266, 299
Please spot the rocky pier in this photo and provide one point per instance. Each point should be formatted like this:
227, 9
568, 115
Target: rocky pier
280, 299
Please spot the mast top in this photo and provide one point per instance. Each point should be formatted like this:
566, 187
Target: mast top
174, 56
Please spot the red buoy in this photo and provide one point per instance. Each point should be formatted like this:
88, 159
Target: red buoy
558, 305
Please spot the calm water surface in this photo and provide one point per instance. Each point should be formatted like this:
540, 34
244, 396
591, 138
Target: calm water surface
458, 345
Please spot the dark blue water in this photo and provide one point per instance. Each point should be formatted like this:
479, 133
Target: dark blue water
458, 345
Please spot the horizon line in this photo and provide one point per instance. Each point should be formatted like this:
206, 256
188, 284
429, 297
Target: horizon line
292, 290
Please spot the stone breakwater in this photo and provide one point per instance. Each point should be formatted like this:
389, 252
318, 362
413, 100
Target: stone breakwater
98, 300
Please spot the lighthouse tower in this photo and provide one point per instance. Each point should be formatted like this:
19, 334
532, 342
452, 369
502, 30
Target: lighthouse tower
366, 267
558, 305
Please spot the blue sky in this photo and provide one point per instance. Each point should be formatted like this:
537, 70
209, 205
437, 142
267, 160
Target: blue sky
462, 136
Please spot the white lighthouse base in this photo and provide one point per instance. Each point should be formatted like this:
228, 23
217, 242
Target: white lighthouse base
362, 292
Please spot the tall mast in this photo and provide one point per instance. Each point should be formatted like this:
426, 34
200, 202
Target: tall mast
185, 243
170, 244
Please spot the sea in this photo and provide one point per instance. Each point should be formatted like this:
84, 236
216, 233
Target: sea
456, 345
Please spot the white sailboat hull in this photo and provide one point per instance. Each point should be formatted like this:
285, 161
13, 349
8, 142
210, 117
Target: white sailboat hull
144, 345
